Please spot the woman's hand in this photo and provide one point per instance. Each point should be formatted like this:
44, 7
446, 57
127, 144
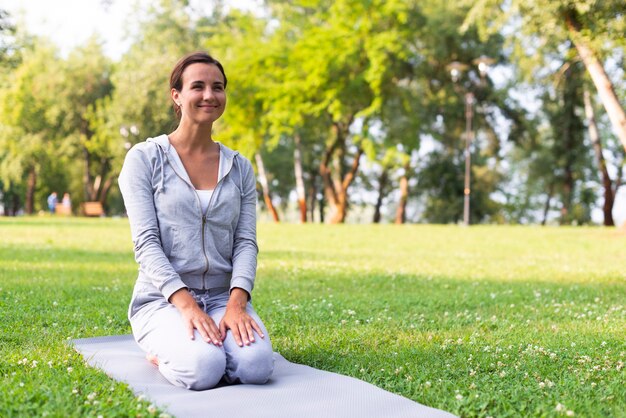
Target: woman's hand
196, 318
237, 319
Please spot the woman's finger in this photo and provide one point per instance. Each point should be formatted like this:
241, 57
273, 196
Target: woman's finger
214, 333
236, 335
190, 329
249, 330
257, 328
201, 326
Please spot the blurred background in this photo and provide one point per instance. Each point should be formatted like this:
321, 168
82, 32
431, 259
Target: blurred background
360, 111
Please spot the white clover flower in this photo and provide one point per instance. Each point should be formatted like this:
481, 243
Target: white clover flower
560, 407
70, 369
459, 397
542, 385
74, 391
428, 384
152, 409
570, 413
92, 396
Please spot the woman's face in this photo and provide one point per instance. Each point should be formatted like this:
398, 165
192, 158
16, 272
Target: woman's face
202, 97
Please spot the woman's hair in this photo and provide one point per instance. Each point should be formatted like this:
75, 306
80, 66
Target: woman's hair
176, 78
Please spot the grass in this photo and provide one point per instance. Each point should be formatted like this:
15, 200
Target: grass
481, 321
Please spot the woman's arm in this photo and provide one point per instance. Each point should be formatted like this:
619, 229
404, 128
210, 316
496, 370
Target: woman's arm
245, 251
135, 183
245, 248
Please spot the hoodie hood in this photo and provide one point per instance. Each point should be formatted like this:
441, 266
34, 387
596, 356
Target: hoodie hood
164, 149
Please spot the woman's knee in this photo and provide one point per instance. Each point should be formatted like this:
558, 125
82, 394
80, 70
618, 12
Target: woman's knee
200, 370
253, 366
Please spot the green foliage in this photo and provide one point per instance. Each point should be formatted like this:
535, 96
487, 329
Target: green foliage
343, 77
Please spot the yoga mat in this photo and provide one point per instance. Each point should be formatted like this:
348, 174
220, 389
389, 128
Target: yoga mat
294, 390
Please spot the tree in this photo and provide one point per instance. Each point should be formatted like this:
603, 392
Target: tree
594, 27
366, 42
30, 119
84, 96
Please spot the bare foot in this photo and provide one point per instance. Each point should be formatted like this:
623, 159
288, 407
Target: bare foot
152, 359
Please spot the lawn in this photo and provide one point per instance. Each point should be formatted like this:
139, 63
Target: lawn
480, 321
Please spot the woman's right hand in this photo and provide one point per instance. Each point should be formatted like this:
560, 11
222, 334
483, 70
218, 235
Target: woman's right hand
195, 318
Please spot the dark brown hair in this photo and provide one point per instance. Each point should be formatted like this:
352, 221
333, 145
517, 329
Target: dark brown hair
176, 78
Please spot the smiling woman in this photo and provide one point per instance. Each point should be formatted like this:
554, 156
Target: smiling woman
191, 203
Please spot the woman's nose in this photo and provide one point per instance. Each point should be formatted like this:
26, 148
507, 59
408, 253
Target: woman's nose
208, 93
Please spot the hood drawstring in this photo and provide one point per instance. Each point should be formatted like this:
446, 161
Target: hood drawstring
162, 157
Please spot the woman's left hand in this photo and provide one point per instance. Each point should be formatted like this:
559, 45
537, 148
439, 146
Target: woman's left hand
237, 320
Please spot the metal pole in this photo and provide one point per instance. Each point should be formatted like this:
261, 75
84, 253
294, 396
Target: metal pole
469, 113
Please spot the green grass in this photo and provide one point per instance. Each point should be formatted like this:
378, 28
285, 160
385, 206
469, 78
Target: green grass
481, 321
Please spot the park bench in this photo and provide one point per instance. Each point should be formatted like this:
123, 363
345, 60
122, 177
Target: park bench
92, 209
61, 209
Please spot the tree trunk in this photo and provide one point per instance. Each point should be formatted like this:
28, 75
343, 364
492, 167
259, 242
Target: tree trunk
603, 84
569, 131
30, 190
104, 191
300, 190
607, 208
321, 205
336, 184
312, 196
546, 207
15, 205
87, 176
382, 184
404, 195
265, 186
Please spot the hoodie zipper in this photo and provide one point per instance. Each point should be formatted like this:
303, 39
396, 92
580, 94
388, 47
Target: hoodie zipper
203, 216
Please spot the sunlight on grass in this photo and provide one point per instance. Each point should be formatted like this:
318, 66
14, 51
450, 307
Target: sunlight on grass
480, 321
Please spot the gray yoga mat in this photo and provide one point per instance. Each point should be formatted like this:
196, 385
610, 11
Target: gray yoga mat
293, 391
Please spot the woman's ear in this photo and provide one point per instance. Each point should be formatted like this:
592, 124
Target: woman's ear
175, 96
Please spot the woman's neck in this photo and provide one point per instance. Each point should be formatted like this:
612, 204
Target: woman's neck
192, 136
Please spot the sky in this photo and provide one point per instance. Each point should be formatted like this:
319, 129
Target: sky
69, 23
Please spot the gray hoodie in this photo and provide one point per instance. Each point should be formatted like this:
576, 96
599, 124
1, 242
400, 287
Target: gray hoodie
176, 244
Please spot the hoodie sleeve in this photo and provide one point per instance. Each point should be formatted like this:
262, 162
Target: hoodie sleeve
135, 182
245, 248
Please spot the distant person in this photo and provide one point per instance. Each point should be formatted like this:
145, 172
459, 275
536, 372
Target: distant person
52, 202
67, 202
191, 203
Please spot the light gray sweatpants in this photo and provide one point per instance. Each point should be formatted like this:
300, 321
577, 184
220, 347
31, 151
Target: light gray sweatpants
195, 364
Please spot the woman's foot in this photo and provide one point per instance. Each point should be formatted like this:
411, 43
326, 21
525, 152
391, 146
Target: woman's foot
152, 359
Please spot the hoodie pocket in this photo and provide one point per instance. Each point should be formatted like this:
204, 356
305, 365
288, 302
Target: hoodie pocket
186, 246
223, 240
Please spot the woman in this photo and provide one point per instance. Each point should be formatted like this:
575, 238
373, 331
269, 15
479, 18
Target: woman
191, 203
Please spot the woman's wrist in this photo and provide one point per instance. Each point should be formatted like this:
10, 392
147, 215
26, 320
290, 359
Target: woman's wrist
238, 297
182, 299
